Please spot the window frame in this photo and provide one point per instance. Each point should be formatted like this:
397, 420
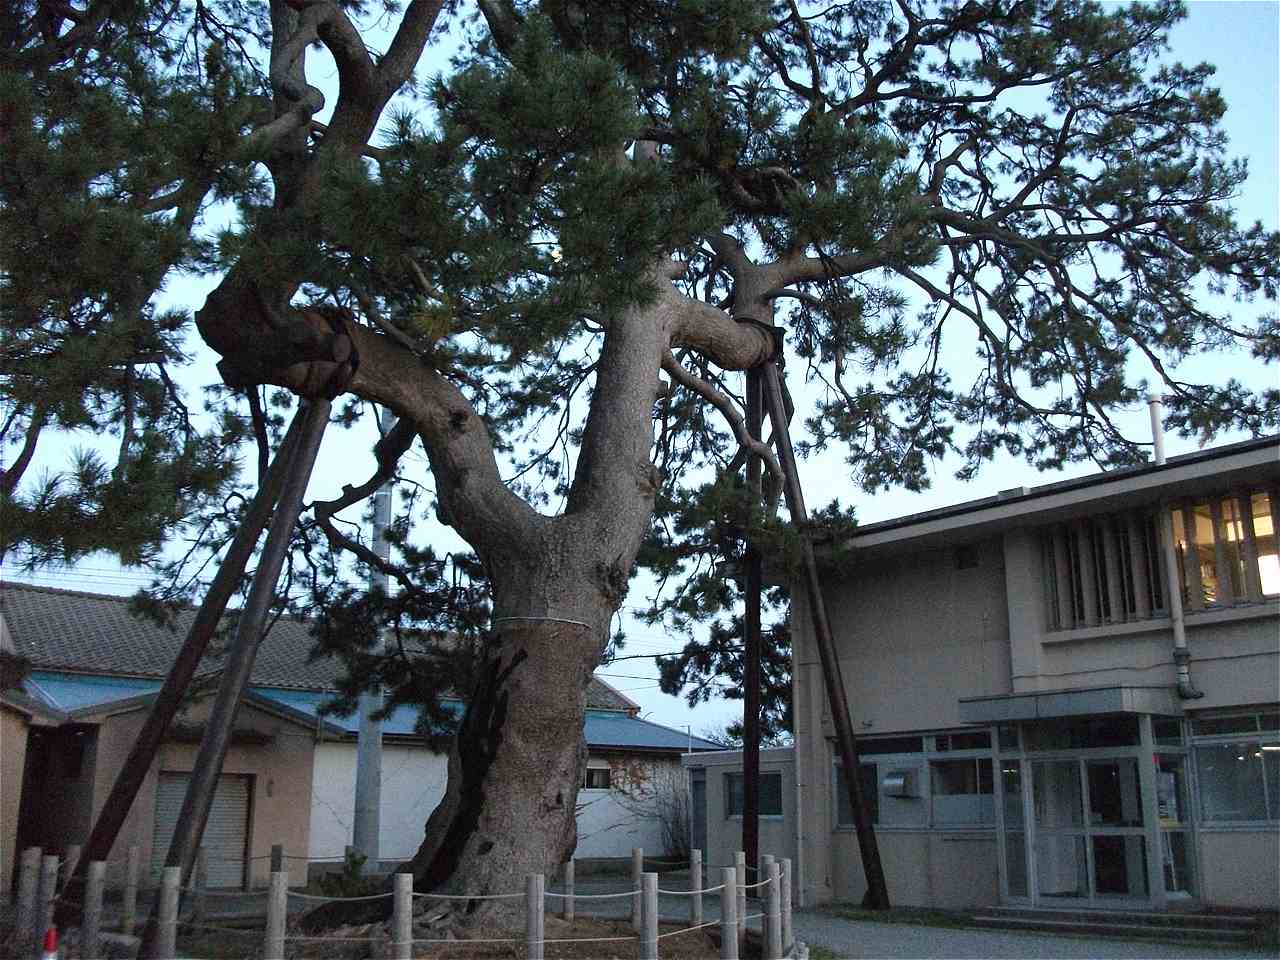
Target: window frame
729, 793
1260, 738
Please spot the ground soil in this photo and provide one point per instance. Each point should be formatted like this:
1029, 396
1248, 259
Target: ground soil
357, 943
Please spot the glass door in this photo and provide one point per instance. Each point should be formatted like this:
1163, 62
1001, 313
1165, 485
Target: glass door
1117, 834
1090, 839
1060, 849
1173, 809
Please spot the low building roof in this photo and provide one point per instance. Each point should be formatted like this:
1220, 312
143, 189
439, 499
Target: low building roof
88, 652
90, 633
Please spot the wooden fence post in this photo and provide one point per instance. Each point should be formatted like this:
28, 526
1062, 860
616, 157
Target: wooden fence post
566, 902
773, 913
786, 904
649, 916
170, 891
402, 918
535, 892
129, 902
24, 919
637, 868
198, 901
729, 913
277, 910
740, 871
91, 926
44, 899
695, 879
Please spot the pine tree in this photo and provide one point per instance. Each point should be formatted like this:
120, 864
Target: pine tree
600, 195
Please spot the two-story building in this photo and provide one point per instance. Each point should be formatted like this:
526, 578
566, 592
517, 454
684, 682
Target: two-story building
1012, 671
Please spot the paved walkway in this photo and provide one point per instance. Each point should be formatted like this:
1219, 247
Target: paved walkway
858, 938
855, 938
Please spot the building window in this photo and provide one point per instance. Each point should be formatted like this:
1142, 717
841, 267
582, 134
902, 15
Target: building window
1227, 549
962, 792
1110, 569
1239, 780
597, 778
1103, 570
1238, 766
870, 782
770, 794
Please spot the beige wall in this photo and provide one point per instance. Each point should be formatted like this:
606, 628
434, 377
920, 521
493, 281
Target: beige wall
13, 757
282, 770
949, 871
1240, 868
724, 833
1236, 659
915, 634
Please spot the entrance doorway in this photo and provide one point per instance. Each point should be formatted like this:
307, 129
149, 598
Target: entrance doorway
1094, 824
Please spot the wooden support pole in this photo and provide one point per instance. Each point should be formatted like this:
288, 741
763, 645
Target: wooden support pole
740, 887
402, 918
69, 868
877, 897
91, 928
637, 868
45, 898
277, 912
199, 900
728, 913
773, 912
566, 902
167, 926
24, 920
787, 933
695, 879
535, 895
129, 900
203, 627
649, 916
207, 767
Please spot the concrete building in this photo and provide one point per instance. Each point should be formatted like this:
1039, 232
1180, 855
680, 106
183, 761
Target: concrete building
289, 776
1012, 674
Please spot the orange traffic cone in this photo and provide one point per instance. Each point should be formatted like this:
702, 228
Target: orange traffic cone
50, 951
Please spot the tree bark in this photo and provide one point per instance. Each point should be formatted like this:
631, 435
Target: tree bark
515, 768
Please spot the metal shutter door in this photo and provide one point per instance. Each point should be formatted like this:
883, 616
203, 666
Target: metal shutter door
225, 835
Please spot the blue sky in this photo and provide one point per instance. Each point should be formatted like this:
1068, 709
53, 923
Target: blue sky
1241, 38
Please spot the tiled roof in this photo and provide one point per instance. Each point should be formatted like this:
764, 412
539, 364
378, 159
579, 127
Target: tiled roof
90, 633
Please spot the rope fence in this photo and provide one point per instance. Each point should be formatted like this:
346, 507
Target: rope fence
42, 879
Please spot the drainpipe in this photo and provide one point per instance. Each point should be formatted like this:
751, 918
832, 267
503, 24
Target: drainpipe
1181, 654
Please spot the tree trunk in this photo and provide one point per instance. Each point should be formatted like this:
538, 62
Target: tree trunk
515, 768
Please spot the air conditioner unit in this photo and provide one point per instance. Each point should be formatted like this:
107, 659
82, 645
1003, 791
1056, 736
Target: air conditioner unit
900, 783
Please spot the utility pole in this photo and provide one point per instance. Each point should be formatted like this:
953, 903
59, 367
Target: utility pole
751, 651
368, 800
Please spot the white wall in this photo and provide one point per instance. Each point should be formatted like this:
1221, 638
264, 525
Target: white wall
612, 822
413, 781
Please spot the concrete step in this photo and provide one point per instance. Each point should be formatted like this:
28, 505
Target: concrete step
1112, 928
1197, 918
